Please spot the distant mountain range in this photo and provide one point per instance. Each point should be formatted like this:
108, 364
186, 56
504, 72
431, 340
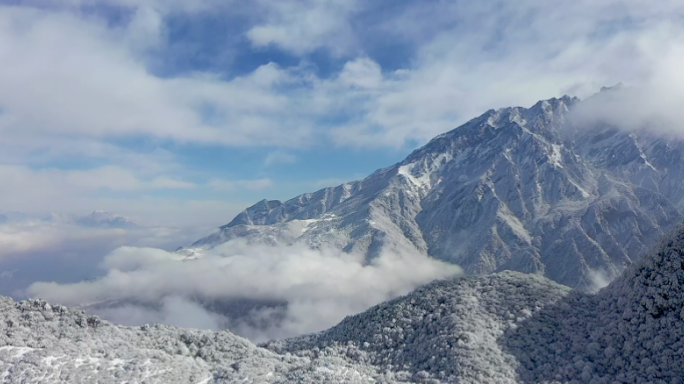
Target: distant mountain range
102, 219
96, 219
523, 189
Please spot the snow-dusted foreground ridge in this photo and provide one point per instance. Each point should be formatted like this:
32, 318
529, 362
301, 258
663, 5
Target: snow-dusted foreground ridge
504, 328
44, 344
526, 189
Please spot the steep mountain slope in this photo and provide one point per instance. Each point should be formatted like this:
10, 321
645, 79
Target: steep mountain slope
502, 328
520, 189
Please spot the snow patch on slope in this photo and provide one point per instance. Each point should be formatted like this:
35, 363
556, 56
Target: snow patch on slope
422, 182
515, 224
556, 156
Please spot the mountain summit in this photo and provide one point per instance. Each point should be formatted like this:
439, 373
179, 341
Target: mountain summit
523, 189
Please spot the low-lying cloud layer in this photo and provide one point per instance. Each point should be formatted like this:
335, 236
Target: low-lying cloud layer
284, 291
38, 250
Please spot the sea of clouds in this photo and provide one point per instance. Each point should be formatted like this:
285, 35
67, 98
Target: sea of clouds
260, 292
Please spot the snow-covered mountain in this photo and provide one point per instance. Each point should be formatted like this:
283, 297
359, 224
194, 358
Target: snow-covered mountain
501, 328
521, 189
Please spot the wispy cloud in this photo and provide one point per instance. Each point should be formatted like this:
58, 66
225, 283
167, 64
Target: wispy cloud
231, 185
279, 157
303, 26
652, 103
21, 180
470, 57
168, 183
38, 250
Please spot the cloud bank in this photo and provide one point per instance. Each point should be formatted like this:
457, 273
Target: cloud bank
305, 290
38, 250
460, 59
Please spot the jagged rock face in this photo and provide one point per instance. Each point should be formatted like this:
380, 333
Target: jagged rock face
520, 189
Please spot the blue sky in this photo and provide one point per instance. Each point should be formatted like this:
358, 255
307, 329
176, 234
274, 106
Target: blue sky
185, 112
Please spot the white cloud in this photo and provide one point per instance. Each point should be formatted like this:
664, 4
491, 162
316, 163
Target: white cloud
168, 183
96, 86
149, 210
30, 237
7, 274
146, 28
279, 157
112, 178
231, 185
653, 102
165, 212
302, 26
37, 250
164, 6
363, 73
40, 192
469, 57
22, 180
320, 287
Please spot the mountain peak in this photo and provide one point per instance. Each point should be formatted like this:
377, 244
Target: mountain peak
513, 188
